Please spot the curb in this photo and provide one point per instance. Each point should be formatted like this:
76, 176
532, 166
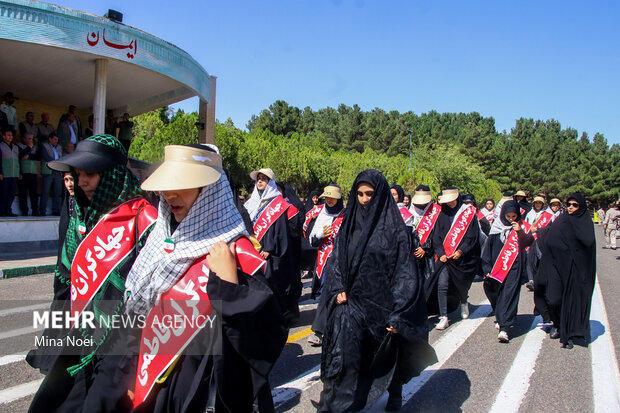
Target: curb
25, 271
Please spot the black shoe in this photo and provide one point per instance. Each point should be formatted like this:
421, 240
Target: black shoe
568, 345
530, 285
394, 403
554, 333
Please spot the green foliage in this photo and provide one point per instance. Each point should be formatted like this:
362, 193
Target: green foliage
310, 149
151, 134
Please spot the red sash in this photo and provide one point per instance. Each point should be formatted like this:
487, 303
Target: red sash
161, 346
543, 220
522, 211
458, 230
105, 247
427, 222
508, 254
404, 212
310, 215
490, 215
480, 215
276, 207
327, 246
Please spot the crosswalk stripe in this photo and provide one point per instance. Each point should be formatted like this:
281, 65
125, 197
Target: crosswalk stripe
517, 381
605, 376
17, 310
12, 358
19, 332
445, 347
17, 392
287, 391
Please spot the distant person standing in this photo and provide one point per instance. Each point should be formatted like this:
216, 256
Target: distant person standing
601, 215
67, 131
29, 165
9, 166
76, 123
110, 123
50, 151
44, 128
9, 110
611, 226
125, 131
90, 129
28, 126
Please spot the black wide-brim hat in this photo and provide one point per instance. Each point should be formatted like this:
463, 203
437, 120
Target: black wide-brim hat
91, 156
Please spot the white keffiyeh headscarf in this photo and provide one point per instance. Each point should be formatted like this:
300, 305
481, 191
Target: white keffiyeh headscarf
212, 218
254, 203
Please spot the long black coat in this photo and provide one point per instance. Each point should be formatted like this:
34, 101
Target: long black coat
461, 271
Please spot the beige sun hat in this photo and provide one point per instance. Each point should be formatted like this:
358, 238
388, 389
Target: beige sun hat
331, 191
520, 193
184, 167
448, 195
265, 171
421, 197
539, 199
554, 200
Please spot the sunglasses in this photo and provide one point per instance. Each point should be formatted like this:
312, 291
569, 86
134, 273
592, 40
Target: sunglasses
573, 204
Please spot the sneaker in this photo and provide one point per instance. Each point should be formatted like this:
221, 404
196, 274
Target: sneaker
443, 323
503, 337
465, 311
496, 325
315, 340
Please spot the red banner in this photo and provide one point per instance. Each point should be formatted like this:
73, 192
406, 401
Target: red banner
327, 246
277, 206
404, 212
508, 254
160, 345
458, 230
310, 215
105, 247
427, 222
543, 220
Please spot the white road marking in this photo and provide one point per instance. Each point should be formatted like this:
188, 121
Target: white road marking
287, 391
605, 376
17, 392
517, 381
12, 358
23, 309
445, 347
19, 332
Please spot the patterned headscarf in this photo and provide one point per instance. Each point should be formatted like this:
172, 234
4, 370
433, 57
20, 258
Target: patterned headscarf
116, 186
212, 218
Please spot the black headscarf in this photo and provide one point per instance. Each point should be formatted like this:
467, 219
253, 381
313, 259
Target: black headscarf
336, 208
468, 198
510, 206
399, 191
310, 202
291, 195
451, 212
360, 224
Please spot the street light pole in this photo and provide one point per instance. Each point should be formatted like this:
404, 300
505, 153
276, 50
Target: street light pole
411, 148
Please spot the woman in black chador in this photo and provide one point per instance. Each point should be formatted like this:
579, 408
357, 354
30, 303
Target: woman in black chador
373, 294
504, 295
569, 263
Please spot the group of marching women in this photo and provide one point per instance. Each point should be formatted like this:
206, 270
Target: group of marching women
384, 262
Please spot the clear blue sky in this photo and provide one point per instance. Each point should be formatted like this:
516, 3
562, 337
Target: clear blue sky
505, 59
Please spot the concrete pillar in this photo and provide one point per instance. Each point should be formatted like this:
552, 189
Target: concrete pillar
202, 121
99, 101
210, 114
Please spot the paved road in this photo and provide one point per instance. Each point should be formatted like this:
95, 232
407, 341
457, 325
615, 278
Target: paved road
475, 372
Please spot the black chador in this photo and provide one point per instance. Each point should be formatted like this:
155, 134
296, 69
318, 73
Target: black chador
373, 266
568, 262
504, 295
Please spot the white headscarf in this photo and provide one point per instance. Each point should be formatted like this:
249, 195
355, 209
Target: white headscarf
212, 218
254, 203
418, 213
